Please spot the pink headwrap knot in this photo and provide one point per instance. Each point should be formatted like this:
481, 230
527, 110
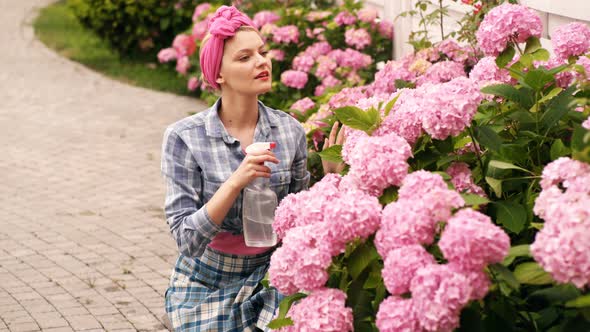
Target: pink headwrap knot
222, 25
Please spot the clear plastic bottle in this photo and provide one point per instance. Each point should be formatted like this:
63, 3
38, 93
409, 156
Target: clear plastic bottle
259, 205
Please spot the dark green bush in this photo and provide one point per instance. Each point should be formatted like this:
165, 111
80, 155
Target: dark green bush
135, 25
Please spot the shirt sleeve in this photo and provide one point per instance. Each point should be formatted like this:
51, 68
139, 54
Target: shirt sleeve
190, 224
299, 174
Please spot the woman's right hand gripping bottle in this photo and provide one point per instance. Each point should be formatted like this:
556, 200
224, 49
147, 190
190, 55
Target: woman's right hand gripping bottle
259, 205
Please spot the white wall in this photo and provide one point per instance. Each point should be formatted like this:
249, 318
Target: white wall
553, 13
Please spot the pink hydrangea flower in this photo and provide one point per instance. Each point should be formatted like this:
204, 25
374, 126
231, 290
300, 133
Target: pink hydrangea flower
404, 223
323, 310
367, 14
330, 81
472, 241
200, 10
441, 72
317, 15
378, 162
357, 38
477, 279
200, 29
319, 90
167, 54
354, 59
462, 179
301, 262
405, 118
183, 64
344, 18
278, 55
263, 17
506, 23
401, 264
326, 67
386, 77
586, 123
347, 97
317, 49
294, 79
562, 171
193, 84
184, 45
439, 294
452, 50
352, 136
303, 105
386, 29
572, 39
286, 35
452, 105
303, 63
397, 314
486, 72
420, 183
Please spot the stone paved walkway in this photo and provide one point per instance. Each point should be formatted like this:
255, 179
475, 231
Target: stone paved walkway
83, 241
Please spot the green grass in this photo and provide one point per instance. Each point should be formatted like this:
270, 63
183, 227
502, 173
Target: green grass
57, 27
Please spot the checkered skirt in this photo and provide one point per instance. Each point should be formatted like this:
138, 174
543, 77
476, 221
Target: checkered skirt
220, 292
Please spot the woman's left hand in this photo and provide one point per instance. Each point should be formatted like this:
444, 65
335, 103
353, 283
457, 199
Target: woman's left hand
333, 139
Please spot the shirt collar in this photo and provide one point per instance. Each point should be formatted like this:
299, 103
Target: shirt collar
266, 120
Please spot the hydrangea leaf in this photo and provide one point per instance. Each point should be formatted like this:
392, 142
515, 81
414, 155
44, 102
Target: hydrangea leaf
531, 273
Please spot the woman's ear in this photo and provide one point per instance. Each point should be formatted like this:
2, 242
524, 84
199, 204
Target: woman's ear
220, 79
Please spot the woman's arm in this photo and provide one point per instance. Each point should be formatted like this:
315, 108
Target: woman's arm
299, 174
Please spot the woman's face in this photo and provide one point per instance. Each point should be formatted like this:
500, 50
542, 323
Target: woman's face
245, 66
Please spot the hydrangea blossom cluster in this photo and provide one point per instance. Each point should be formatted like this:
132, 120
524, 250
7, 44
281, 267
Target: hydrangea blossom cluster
562, 246
265, 17
571, 39
424, 200
441, 72
303, 105
441, 110
358, 38
486, 72
344, 18
386, 77
329, 218
294, 79
322, 310
462, 179
285, 35
586, 123
507, 23
200, 10
378, 162
397, 314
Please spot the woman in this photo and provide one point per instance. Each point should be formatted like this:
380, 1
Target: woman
215, 285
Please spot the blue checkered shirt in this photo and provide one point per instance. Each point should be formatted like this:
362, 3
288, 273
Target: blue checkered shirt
198, 155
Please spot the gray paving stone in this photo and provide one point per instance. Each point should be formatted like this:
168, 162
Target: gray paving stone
81, 190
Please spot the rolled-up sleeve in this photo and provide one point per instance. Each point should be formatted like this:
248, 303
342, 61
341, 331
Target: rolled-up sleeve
299, 174
190, 224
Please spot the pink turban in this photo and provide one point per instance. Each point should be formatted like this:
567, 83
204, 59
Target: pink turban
222, 25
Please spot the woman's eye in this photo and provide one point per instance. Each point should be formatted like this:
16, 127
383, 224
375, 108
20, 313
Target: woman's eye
244, 58
264, 53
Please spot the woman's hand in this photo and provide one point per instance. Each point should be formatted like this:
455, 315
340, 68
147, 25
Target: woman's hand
333, 139
251, 168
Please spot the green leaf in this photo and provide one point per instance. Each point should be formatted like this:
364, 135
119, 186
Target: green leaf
531, 273
505, 57
286, 303
360, 258
558, 107
487, 137
333, 153
356, 118
557, 294
496, 185
581, 144
541, 55
505, 274
532, 44
522, 250
280, 322
554, 92
511, 215
497, 164
472, 199
558, 149
580, 302
506, 91
537, 79
390, 104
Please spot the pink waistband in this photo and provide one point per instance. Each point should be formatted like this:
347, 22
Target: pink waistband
228, 243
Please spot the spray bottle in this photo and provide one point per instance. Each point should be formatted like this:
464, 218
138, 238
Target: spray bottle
259, 205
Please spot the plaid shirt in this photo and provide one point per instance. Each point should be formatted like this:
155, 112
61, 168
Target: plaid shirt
198, 155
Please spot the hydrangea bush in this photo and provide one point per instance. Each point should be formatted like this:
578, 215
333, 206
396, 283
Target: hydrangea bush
464, 203
313, 51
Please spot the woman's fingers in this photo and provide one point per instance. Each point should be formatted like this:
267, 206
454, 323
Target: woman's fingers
263, 158
333, 132
340, 138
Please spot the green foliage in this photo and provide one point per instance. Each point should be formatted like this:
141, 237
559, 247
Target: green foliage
135, 25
